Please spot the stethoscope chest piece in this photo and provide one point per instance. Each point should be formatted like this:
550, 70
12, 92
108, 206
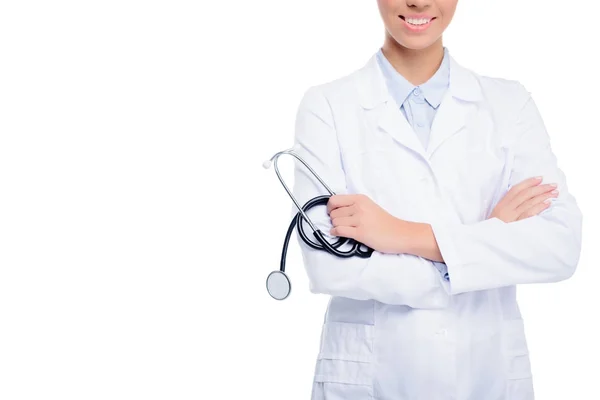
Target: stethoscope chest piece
278, 285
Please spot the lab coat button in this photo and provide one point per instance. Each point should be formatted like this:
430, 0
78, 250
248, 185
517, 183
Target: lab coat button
417, 92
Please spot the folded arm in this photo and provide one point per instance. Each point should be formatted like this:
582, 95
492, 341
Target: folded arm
492, 253
403, 279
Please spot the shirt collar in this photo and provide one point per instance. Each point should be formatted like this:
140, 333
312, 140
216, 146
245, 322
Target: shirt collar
400, 88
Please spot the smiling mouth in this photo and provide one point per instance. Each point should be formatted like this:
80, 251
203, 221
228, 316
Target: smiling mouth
402, 17
417, 24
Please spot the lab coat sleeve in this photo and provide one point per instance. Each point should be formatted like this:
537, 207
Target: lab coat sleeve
400, 279
538, 249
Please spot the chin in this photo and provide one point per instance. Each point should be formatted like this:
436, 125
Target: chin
416, 43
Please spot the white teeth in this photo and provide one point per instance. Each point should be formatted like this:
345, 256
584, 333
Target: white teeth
417, 21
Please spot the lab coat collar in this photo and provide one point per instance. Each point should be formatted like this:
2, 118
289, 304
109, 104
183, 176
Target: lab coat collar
373, 89
400, 88
450, 117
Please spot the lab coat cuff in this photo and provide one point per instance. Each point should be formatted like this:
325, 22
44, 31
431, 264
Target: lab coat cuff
446, 235
443, 232
460, 257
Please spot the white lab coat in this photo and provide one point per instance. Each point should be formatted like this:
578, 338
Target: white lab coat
394, 328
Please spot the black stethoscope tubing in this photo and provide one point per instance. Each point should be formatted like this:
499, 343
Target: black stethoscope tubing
322, 243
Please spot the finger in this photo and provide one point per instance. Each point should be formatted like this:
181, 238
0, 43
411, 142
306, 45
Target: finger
345, 221
344, 231
516, 189
530, 193
535, 210
536, 190
342, 212
536, 200
340, 200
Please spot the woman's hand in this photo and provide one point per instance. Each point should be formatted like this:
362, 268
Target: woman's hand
358, 217
524, 200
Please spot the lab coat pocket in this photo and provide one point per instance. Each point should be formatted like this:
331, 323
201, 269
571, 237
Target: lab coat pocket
515, 350
344, 365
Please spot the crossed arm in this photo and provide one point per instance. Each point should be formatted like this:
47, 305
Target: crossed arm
484, 255
358, 217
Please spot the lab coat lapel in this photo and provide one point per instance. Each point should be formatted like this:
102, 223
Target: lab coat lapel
381, 108
450, 117
392, 121
458, 102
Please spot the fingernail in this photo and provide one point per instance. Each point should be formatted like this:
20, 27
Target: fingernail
554, 192
539, 178
547, 201
553, 185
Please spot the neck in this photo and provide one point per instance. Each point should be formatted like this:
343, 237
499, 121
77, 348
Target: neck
416, 66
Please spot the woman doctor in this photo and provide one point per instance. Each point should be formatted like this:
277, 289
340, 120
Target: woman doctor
449, 176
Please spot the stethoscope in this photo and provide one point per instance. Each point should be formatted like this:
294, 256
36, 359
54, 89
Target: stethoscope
278, 283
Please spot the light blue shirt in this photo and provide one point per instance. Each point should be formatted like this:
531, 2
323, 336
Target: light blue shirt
418, 103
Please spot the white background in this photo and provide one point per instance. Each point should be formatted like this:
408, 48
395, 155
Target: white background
137, 225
